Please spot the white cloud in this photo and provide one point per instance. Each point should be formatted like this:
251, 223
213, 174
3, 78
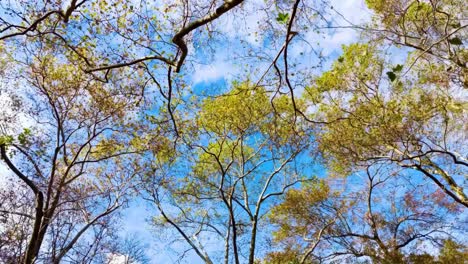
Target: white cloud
117, 259
214, 71
5, 174
344, 14
354, 11
245, 23
336, 40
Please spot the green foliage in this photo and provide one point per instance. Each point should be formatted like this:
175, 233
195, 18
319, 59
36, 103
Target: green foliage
371, 122
433, 27
300, 215
228, 144
456, 41
391, 75
6, 140
287, 256
421, 259
240, 110
247, 110
453, 252
282, 18
23, 137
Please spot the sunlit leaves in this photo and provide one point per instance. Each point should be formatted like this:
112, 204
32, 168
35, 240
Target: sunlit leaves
5, 140
453, 252
433, 29
299, 213
236, 112
23, 137
282, 18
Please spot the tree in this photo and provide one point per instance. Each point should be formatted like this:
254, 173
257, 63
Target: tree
305, 215
15, 210
356, 223
243, 160
413, 122
71, 159
82, 28
434, 29
452, 252
131, 250
105, 99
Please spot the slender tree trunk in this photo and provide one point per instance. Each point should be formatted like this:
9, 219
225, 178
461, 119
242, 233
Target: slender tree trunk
253, 238
35, 242
36, 238
234, 237
226, 245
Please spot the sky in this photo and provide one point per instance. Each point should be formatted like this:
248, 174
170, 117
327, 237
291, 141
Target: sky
355, 11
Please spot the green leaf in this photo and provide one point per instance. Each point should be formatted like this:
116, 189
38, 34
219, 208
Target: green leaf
455, 41
283, 18
5, 140
397, 68
23, 138
456, 25
391, 75
340, 59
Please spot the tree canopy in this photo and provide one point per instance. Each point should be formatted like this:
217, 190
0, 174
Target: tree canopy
289, 131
